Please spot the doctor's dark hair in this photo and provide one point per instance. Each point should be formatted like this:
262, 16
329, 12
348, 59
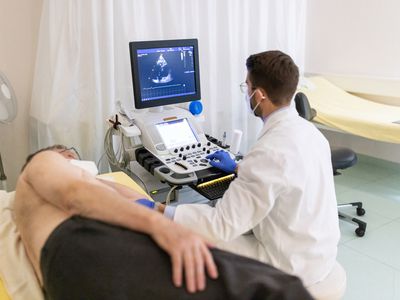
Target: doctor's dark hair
31, 156
276, 73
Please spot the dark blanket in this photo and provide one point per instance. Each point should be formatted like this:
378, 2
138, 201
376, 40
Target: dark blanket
86, 259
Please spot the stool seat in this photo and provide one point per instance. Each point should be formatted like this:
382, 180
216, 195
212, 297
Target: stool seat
332, 287
342, 158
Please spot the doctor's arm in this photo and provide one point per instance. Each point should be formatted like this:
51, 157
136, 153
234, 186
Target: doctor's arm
76, 192
245, 204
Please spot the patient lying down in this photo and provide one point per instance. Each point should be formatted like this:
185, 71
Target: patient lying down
87, 238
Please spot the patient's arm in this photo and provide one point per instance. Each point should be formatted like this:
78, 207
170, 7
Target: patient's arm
77, 192
123, 190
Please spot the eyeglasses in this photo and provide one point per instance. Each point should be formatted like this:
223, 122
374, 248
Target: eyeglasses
71, 149
244, 87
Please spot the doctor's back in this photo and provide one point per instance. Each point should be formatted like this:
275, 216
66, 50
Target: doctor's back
289, 173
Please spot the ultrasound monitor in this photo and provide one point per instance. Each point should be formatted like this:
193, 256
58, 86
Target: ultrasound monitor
165, 72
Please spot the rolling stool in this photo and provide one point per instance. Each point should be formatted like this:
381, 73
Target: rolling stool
343, 158
332, 287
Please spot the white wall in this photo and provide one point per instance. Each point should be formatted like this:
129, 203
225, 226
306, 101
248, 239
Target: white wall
356, 44
356, 37
19, 27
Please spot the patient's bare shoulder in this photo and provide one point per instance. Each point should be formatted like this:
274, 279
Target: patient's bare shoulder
33, 215
35, 219
26, 200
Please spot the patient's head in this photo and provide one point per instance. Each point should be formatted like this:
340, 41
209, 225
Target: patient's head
68, 153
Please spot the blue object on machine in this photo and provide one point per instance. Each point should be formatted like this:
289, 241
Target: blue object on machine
146, 202
222, 160
196, 107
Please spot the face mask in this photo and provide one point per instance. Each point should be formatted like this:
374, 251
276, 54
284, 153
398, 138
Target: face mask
248, 104
87, 165
248, 98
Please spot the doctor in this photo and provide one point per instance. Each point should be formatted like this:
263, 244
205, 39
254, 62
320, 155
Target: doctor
284, 190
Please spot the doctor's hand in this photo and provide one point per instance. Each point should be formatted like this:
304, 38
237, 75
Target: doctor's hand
189, 254
222, 160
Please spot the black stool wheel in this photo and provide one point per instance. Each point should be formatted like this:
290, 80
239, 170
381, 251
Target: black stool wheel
360, 232
360, 211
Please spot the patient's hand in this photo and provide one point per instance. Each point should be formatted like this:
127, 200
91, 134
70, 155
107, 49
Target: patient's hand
189, 252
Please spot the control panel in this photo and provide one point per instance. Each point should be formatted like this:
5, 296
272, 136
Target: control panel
189, 158
184, 165
175, 147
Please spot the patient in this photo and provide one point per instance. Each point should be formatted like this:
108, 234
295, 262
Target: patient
86, 237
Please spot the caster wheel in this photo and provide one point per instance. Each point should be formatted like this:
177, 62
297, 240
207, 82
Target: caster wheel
360, 211
360, 232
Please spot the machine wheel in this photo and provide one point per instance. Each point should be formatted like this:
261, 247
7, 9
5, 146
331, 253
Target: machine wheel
360, 232
360, 211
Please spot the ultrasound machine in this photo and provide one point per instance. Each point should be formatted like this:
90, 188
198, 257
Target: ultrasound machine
173, 146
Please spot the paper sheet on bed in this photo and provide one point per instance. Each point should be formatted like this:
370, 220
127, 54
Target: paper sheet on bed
338, 109
16, 271
122, 178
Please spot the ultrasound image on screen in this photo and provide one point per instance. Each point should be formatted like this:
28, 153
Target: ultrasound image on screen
166, 72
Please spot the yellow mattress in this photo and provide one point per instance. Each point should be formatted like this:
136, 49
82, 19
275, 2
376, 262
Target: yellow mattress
338, 109
3, 293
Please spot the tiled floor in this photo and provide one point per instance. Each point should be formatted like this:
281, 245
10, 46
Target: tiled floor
372, 262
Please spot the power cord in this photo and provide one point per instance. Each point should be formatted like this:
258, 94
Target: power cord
120, 158
168, 198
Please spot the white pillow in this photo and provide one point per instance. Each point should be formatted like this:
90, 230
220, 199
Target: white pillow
15, 269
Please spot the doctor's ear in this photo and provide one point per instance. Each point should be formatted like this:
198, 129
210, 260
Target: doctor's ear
262, 93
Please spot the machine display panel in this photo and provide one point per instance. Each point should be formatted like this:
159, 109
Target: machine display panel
176, 133
165, 72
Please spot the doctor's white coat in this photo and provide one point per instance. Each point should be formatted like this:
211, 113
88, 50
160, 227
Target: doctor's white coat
284, 194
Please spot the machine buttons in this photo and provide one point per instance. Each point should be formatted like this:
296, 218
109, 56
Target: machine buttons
187, 147
180, 155
176, 150
182, 149
208, 144
199, 145
208, 151
203, 160
184, 157
203, 165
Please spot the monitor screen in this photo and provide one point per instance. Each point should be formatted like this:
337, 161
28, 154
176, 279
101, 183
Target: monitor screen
176, 133
165, 72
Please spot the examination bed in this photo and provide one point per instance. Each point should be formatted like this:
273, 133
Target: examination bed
338, 109
17, 278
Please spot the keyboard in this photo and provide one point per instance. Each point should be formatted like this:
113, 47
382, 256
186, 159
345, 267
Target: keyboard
214, 189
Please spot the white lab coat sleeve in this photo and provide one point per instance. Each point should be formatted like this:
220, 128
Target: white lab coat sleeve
248, 200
